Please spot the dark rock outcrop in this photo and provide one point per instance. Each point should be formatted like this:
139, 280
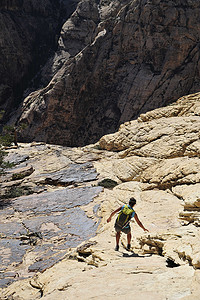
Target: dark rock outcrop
57, 216
28, 37
50, 220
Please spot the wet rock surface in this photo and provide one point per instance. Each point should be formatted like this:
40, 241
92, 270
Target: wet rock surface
16, 158
45, 224
73, 174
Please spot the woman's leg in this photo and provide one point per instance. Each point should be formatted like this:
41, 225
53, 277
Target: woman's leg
118, 237
129, 238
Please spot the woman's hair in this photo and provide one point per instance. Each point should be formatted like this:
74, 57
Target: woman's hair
132, 201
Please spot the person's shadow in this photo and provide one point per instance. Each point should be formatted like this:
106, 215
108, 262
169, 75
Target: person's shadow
132, 254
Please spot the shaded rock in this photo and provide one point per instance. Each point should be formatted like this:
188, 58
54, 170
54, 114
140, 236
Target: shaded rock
12, 252
59, 200
76, 33
70, 227
73, 174
14, 191
31, 238
20, 173
3, 204
69, 230
10, 184
107, 183
83, 248
42, 264
32, 27
15, 158
5, 282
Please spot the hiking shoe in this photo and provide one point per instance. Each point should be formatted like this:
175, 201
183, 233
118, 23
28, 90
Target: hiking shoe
117, 248
128, 247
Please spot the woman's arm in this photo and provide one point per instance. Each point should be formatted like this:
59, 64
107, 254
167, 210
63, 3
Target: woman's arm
139, 223
113, 213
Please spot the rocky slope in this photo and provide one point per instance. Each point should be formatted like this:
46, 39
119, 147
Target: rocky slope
28, 38
115, 60
155, 159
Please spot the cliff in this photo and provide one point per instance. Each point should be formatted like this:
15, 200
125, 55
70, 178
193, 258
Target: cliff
115, 60
155, 159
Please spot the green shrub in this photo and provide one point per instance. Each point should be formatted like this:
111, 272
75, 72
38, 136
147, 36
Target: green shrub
18, 176
7, 136
3, 165
17, 191
6, 140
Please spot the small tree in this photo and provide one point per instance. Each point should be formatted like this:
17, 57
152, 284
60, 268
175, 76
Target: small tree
7, 136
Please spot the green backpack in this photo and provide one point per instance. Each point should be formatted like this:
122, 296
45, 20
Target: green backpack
124, 216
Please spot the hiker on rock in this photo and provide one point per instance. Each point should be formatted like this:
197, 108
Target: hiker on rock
122, 222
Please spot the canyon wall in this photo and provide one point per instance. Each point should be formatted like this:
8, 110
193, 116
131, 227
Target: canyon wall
115, 60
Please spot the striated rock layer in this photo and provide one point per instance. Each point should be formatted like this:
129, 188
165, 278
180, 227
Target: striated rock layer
115, 60
158, 165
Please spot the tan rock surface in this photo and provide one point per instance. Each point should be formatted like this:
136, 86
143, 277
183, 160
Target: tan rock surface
163, 263
155, 138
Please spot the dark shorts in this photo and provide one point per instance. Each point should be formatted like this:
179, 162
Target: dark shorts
126, 230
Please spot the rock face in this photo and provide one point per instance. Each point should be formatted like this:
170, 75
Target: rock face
28, 37
158, 165
114, 61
